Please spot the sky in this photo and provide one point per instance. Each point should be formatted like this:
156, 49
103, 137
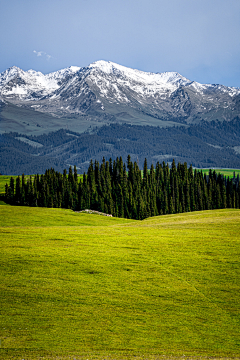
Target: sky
200, 39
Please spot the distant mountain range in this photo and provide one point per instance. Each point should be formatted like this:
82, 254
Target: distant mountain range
107, 92
104, 93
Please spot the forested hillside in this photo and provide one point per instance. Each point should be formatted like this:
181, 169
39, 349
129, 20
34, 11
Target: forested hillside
125, 191
204, 145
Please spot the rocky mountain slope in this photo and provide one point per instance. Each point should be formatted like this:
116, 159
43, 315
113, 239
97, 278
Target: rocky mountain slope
105, 92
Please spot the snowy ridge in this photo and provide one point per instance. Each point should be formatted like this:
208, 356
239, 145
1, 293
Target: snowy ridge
145, 84
114, 80
15, 81
105, 88
169, 80
109, 67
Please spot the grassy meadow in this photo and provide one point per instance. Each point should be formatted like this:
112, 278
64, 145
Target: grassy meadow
225, 172
5, 179
81, 286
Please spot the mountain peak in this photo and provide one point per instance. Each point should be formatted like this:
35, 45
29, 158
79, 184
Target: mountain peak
74, 68
107, 66
9, 74
167, 78
12, 70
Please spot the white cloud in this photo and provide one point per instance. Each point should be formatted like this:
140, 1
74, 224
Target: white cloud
38, 53
42, 53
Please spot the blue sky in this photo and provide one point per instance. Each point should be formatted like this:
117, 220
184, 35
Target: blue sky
200, 39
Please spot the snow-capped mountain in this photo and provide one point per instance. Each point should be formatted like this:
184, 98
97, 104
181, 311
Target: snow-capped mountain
31, 84
106, 91
67, 102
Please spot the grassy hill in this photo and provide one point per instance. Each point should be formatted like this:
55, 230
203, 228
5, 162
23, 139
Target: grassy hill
225, 172
87, 286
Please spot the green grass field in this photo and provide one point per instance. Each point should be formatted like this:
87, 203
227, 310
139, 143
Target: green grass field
225, 172
4, 179
80, 286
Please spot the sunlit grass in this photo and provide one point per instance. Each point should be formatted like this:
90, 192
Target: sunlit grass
225, 172
89, 286
4, 179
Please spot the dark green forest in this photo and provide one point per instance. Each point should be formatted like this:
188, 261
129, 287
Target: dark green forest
212, 144
123, 190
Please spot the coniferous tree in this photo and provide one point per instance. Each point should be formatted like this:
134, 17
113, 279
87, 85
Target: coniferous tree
18, 190
108, 187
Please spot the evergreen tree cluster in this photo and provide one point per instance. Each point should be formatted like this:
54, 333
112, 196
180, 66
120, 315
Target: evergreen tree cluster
123, 190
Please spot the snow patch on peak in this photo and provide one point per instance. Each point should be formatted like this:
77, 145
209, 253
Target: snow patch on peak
108, 66
173, 77
33, 72
74, 68
17, 90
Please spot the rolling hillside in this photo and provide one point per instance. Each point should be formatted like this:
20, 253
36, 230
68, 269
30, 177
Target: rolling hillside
87, 286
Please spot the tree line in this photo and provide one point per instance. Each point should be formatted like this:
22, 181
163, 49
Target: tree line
123, 190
